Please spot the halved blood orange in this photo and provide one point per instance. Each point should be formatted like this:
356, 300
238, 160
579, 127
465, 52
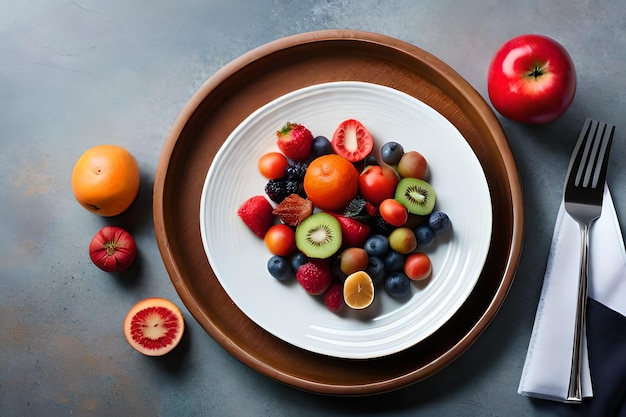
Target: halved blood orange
154, 326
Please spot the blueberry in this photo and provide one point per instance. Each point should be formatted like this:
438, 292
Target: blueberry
424, 234
394, 261
439, 221
397, 285
391, 152
377, 245
376, 269
298, 260
279, 267
321, 146
371, 160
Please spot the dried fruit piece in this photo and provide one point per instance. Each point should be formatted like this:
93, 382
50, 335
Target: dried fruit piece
293, 209
352, 140
154, 326
256, 213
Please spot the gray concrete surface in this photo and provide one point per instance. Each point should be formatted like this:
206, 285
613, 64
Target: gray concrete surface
78, 73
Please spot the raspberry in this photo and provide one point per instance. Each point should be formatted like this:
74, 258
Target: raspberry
314, 276
333, 298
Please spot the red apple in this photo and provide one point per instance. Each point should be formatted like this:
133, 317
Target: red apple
112, 249
377, 183
531, 79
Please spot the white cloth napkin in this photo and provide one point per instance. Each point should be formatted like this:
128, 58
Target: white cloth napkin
548, 361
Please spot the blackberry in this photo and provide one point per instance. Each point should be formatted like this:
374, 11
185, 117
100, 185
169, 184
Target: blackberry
295, 171
276, 190
380, 226
294, 187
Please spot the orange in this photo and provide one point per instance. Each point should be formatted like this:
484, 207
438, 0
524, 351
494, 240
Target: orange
105, 180
331, 182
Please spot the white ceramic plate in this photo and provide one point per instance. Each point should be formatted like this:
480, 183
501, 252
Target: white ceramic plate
239, 258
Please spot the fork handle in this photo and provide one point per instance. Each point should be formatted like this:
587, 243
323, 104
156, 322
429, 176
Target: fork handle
574, 393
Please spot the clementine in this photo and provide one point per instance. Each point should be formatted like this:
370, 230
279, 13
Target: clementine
331, 182
105, 180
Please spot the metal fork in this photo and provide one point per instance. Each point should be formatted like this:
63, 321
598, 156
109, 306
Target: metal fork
584, 189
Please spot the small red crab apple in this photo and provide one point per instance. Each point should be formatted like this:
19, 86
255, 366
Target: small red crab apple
112, 249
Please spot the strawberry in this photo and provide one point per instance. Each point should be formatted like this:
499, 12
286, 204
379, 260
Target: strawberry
333, 298
293, 209
294, 141
353, 232
314, 276
256, 213
352, 140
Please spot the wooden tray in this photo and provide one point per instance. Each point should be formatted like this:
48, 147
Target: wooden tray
261, 76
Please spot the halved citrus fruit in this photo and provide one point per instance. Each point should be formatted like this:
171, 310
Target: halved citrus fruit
154, 326
331, 182
105, 180
358, 290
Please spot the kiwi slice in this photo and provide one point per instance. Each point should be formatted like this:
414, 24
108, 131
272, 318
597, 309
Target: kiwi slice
416, 195
319, 235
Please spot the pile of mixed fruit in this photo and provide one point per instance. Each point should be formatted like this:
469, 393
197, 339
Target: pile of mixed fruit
339, 220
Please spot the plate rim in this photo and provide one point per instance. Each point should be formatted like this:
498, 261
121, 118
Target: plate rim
460, 90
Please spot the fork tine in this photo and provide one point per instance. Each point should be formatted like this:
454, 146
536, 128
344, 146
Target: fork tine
599, 176
598, 137
582, 149
588, 169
